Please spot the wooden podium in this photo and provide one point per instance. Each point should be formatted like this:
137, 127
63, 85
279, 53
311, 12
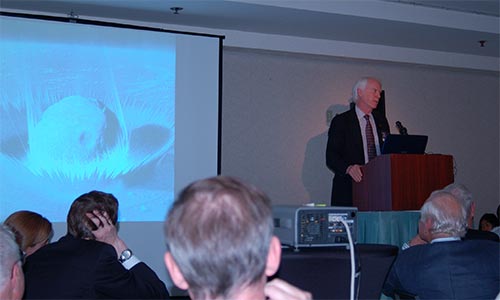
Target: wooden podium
401, 181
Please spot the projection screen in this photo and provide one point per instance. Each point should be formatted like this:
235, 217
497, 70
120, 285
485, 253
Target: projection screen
128, 110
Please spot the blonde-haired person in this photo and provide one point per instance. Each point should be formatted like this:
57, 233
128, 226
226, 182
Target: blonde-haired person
31, 229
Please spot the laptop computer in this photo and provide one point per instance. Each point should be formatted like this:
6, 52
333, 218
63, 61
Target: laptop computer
404, 144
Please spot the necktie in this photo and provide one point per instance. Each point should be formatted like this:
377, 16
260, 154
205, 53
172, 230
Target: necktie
370, 140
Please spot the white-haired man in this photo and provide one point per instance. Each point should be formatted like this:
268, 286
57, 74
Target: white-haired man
464, 197
446, 267
220, 243
11, 269
354, 138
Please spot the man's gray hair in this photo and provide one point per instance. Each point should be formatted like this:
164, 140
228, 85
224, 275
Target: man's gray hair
462, 194
9, 254
446, 212
360, 84
218, 232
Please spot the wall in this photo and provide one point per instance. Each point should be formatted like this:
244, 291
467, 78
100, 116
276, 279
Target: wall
274, 127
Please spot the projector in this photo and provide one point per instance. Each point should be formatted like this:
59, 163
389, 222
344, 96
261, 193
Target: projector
314, 226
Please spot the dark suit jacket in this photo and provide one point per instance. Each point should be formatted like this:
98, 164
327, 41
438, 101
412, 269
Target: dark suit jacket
467, 269
344, 148
474, 234
75, 268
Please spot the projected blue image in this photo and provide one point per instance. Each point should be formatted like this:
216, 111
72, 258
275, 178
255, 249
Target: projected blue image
83, 116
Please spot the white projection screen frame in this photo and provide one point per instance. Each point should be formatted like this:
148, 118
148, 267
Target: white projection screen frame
89, 105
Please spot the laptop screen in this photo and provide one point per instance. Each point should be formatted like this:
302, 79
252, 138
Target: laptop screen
404, 144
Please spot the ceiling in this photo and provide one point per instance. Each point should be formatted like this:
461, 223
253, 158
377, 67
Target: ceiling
454, 26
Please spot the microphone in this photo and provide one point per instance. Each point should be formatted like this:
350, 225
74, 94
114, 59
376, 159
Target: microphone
401, 128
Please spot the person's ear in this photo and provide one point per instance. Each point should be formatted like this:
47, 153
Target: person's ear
174, 272
17, 280
428, 225
273, 257
360, 92
473, 209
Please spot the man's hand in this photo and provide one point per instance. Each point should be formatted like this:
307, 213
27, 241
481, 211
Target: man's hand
417, 240
355, 172
106, 231
278, 289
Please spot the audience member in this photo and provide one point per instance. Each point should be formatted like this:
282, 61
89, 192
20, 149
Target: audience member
447, 267
464, 196
489, 222
91, 261
31, 229
496, 230
11, 270
220, 243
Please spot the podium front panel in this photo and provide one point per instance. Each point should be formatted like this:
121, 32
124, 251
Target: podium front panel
401, 181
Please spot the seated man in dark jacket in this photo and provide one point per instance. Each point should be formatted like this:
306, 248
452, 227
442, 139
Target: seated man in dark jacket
464, 197
91, 261
446, 267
